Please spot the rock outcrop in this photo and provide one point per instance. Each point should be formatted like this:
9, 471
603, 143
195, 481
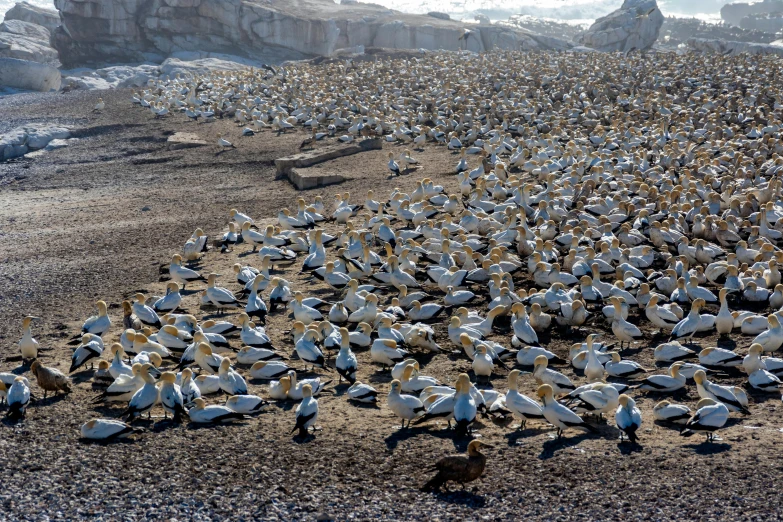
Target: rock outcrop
734, 13
767, 22
20, 141
707, 45
635, 25
28, 76
25, 41
95, 31
48, 18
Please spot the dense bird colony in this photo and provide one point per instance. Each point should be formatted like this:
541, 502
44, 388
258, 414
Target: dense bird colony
632, 210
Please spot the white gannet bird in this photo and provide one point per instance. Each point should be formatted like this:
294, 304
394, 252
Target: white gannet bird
118, 366
393, 166
690, 324
558, 383
230, 381
622, 329
406, 407
412, 382
302, 312
246, 404
268, 370
97, 324
206, 360
628, 418
107, 429
771, 339
224, 143
465, 408
710, 416
521, 405
200, 413
594, 370
145, 398
253, 336
28, 346
306, 412
724, 394
558, 415
665, 411
625, 369
594, 399
18, 398
169, 302
183, 275
146, 314
219, 297
99, 106
87, 351
671, 352
345, 363
719, 358
360, 392
123, 387
664, 383
482, 363
308, 351
171, 396
188, 387
386, 352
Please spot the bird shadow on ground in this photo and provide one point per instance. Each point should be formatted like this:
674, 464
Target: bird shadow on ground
759, 396
550, 447
163, 425
725, 342
82, 376
303, 440
709, 448
49, 400
220, 153
394, 438
464, 498
208, 426
109, 442
515, 436
627, 447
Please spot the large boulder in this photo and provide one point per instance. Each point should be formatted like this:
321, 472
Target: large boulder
635, 25
22, 140
29, 76
28, 29
48, 18
97, 31
734, 13
767, 22
24, 48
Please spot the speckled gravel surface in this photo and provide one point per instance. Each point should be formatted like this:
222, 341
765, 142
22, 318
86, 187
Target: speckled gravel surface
73, 229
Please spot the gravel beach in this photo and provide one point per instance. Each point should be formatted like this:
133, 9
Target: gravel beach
100, 218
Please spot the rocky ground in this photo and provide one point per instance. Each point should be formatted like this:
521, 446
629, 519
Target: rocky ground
98, 219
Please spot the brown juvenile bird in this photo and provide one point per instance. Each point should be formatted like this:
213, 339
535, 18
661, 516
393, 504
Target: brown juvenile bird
459, 468
50, 379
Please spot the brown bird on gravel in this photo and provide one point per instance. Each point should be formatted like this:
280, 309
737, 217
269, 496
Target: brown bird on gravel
459, 468
50, 379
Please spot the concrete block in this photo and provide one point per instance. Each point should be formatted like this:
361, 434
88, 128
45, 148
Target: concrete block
321, 154
184, 140
304, 179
